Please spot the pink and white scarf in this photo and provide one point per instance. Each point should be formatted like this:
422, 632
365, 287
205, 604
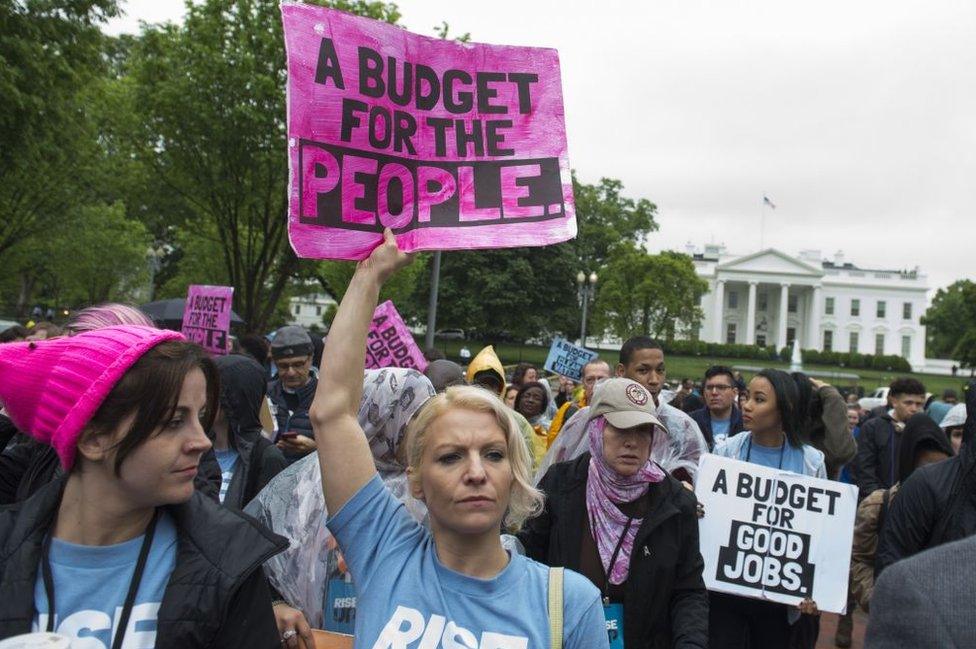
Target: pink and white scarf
605, 488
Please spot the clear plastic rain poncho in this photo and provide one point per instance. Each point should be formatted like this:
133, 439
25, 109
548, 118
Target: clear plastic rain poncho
293, 506
678, 450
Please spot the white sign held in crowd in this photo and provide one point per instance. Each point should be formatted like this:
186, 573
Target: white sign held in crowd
775, 535
568, 359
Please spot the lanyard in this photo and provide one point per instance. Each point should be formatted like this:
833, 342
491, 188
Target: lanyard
782, 450
613, 558
130, 598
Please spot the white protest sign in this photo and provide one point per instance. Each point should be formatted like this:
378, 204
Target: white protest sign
775, 535
568, 359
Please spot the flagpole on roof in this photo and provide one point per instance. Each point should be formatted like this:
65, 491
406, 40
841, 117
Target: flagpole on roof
762, 219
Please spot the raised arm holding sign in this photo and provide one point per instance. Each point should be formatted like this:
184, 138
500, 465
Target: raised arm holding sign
451, 145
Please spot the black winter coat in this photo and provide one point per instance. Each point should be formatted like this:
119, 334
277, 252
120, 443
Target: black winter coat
876, 463
918, 519
260, 460
666, 604
703, 418
216, 597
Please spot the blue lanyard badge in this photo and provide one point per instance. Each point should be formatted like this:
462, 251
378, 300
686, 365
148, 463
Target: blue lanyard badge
614, 613
340, 606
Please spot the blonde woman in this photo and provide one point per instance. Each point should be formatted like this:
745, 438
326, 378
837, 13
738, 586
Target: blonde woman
453, 585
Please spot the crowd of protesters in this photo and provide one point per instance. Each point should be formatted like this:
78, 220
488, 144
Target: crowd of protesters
155, 496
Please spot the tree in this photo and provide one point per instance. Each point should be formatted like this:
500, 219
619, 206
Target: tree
951, 315
524, 292
951, 323
50, 52
653, 295
210, 95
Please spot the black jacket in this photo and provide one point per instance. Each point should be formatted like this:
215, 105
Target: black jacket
666, 604
297, 420
217, 595
703, 418
876, 463
259, 461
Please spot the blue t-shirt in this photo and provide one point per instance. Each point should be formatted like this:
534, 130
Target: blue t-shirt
407, 599
227, 459
90, 585
720, 429
784, 456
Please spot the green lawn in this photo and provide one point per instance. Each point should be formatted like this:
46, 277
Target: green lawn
694, 366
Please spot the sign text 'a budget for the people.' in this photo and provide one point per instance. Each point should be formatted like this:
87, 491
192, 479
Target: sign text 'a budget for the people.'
451, 145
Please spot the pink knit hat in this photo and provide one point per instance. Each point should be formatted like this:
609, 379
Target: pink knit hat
52, 388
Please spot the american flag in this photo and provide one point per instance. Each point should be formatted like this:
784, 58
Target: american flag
766, 201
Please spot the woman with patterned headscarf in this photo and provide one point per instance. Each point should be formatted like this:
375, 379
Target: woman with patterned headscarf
293, 504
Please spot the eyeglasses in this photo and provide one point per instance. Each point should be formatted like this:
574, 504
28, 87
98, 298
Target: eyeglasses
717, 388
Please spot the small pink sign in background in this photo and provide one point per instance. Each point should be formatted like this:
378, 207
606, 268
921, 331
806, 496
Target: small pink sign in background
389, 343
451, 145
206, 318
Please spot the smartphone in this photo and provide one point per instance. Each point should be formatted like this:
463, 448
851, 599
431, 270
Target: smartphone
288, 435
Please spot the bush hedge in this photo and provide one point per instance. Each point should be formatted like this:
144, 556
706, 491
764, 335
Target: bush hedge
769, 353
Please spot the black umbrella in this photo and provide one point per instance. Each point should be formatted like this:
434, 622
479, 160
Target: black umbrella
169, 313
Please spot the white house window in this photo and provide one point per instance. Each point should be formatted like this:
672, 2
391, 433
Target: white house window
881, 308
852, 346
906, 346
733, 300
791, 303
906, 311
763, 301
828, 343
790, 336
855, 307
730, 333
829, 306
879, 344
298, 309
318, 310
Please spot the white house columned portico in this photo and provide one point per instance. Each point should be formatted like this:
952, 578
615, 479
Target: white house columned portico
771, 298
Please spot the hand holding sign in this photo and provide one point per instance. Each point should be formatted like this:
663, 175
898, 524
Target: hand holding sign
386, 259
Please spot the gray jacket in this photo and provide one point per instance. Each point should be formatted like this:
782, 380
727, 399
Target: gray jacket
926, 600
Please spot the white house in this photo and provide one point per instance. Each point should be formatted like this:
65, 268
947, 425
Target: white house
771, 298
307, 310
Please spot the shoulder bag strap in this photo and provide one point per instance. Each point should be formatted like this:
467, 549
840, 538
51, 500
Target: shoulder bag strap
556, 608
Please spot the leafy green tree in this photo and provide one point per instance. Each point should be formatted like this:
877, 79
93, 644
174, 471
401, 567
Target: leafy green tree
653, 295
951, 315
210, 96
50, 50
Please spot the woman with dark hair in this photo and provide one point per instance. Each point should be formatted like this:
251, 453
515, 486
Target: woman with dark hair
524, 373
532, 402
122, 548
772, 439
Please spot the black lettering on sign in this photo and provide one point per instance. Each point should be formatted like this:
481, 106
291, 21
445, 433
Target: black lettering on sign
769, 558
355, 190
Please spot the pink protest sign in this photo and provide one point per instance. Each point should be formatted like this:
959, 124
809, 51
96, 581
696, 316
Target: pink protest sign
389, 343
452, 145
206, 317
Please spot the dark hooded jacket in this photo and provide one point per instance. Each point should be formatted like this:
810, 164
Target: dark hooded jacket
241, 391
937, 504
28, 465
875, 466
217, 596
665, 602
703, 418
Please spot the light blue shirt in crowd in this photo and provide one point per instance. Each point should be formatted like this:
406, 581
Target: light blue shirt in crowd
91, 583
227, 459
408, 599
720, 429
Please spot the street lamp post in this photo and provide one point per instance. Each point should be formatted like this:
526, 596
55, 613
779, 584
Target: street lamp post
585, 289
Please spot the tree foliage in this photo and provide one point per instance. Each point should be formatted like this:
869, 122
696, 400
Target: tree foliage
951, 323
654, 295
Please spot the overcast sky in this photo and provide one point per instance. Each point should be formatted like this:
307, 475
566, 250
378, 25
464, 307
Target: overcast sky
858, 119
